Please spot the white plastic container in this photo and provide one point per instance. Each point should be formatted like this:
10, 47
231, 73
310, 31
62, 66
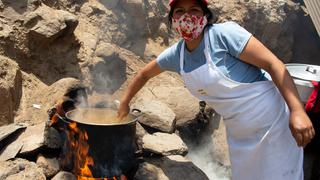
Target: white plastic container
302, 75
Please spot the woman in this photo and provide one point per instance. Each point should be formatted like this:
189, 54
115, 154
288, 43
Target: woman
220, 64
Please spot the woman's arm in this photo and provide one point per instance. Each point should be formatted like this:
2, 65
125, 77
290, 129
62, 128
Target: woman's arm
150, 70
257, 54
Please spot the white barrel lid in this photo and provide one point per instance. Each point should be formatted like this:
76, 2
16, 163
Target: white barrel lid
305, 72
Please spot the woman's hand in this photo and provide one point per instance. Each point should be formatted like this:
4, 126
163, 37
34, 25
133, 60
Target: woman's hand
301, 127
123, 110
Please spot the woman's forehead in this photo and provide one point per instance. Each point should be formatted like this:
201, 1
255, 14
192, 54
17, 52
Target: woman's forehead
186, 3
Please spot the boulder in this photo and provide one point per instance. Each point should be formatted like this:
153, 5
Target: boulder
271, 22
49, 166
46, 24
6, 131
28, 142
62, 175
140, 133
110, 4
156, 114
5, 30
10, 89
133, 7
107, 73
20, 169
164, 144
44, 98
170, 167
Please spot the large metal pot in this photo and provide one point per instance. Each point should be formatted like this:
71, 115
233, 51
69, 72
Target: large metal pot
302, 75
111, 142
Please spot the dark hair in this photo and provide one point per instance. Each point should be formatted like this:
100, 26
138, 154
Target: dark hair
206, 11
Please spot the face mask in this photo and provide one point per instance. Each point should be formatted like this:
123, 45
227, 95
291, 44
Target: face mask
189, 26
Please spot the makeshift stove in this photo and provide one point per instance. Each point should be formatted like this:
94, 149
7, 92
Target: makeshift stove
95, 149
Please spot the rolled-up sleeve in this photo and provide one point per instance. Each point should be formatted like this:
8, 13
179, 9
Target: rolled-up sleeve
168, 60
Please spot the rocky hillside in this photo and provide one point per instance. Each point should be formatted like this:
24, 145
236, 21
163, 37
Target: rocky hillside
104, 43
48, 45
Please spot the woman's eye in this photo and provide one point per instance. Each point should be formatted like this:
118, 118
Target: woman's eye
179, 11
195, 11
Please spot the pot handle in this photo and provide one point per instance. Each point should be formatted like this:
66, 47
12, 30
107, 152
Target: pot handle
311, 70
64, 119
136, 112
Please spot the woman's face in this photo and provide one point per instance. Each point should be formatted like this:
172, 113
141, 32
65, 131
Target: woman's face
187, 6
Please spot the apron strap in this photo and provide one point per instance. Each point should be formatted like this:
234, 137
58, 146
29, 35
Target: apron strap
182, 57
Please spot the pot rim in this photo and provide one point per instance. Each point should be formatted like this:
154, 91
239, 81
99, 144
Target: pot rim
133, 121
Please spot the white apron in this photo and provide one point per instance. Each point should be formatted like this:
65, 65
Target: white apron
257, 122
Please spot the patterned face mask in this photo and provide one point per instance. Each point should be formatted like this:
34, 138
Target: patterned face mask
189, 26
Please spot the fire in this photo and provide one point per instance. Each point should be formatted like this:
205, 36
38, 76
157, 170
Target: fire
78, 150
83, 161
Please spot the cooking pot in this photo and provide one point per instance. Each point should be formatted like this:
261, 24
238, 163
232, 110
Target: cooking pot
111, 142
302, 75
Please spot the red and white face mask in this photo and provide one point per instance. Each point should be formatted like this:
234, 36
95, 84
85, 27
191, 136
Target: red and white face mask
189, 26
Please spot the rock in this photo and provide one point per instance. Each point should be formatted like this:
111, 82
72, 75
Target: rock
46, 24
207, 145
164, 144
178, 98
10, 89
110, 4
163, 30
47, 97
49, 166
133, 7
52, 138
140, 133
20, 169
62, 175
107, 74
10, 151
6, 131
156, 114
270, 21
32, 138
106, 51
5, 30
170, 167
147, 171
30, 141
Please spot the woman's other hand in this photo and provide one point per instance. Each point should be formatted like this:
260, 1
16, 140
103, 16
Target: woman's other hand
123, 110
301, 127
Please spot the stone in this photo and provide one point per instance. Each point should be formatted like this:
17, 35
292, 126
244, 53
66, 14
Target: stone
30, 141
6, 131
169, 167
140, 133
20, 169
5, 30
164, 144
133, 7
10, 89
52, 138
10, 151
46, 24
147, 171
156, 114
109, 4
62, 175
49, 166
106, 50
107, 74
178, 98
47, 97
